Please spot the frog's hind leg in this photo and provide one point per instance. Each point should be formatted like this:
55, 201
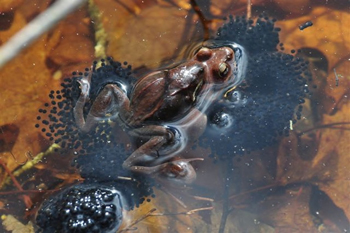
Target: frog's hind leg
109, 102
178, 171
160, 143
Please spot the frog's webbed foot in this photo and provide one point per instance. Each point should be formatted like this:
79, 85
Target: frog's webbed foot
107, 104
178, 171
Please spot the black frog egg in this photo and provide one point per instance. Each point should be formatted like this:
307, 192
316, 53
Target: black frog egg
235, 98
221, 120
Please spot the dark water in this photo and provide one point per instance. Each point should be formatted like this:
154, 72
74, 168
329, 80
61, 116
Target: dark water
271, 156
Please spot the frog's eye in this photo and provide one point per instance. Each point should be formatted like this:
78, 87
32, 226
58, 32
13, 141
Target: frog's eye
204, 54
223, 70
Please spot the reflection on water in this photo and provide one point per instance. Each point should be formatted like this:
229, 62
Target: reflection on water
161, 148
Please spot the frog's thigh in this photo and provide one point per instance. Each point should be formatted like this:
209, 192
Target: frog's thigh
193, 125
150, 131
109, 102
146, 153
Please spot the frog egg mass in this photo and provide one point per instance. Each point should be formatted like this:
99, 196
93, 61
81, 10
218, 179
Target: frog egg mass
57, 117
257, 37
262, 107
82, 208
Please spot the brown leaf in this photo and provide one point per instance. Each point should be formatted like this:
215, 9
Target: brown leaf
288, 212
9, 5
329, 34
338, 188
8, 137
328, 168
71, 42
13, 225
25, 83
238, 220
147, 37
298, 7
145, 33
169, 216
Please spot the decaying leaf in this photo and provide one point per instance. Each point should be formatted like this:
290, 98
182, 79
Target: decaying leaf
329, 34
9, 5
14, 226
288, 213
169, 216
238, 220
28, 80
147, 37
327, 161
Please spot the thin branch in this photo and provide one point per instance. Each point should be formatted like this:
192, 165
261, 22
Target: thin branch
100, 33
202, 18
128, 228
38, 26
31, 163
152, 214
326, 126
27, 201
190, 212
225, 205
249, 9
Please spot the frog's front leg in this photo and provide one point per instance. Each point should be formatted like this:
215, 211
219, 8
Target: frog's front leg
162, 165
107, 104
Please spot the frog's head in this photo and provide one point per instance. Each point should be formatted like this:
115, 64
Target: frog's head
218, 66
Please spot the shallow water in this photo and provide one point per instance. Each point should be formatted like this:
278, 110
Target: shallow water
251, 179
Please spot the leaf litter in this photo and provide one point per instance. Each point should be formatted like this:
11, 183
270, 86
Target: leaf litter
278, 194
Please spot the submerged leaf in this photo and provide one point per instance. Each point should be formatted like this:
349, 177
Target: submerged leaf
14, 226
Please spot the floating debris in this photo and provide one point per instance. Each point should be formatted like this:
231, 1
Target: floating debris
336, 78
306, 25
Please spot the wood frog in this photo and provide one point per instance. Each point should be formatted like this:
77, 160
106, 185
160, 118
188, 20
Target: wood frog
166, 108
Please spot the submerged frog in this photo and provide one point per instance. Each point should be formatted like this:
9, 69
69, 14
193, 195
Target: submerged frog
166, 107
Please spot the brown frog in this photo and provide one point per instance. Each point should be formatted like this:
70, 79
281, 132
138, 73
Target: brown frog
166, 108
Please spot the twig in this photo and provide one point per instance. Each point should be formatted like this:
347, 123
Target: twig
336, 78
255, 190
38, 26
31, 163
202, 18
100, 33
183, 213
27, 201
175, 198
203, 198
15, 192
327, 126
150, 213
128, 228
225, 205
249, 9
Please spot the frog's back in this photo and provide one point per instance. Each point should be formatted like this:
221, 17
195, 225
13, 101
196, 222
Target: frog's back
147, 96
